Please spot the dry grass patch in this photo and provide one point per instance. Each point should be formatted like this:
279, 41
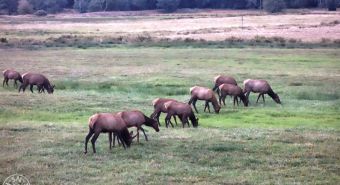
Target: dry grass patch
209, 25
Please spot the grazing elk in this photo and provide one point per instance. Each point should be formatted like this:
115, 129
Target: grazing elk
11, 75
158, 105
234, 91
259, 86
221, 79
183, 110
203, 93
107, 122
36, 79
136, 119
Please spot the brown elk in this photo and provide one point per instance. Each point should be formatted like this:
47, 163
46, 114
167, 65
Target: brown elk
221, 79
234, 91
159, 108
260, 86
183, 110
36, 79
136, 119
203, 93
11, 75
107, 122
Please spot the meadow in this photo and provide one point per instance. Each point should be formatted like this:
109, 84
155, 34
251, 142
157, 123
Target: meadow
42, 135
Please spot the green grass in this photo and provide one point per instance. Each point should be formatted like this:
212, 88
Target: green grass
296, 143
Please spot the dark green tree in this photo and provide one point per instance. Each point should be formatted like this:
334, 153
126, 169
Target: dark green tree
51, 6
331, 5
96, 5
168, 5
24, 7
81, 5
8, 6
274, 5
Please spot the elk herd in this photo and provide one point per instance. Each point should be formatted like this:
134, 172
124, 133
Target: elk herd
117, 124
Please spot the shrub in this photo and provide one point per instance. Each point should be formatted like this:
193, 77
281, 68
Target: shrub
168, 5
40, 13
24, 7
274, 5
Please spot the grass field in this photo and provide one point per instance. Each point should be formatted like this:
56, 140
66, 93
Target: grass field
298, 142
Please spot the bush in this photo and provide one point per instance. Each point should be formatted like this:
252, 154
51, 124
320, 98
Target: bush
24, 7
274, 5
40, 13
331, 5
168, 5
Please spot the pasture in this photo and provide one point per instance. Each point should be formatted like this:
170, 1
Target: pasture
42, 136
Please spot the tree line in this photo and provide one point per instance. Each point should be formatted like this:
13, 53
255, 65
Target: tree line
54, 6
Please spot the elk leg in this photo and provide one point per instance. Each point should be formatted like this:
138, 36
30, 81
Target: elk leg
185, 118
114, 139
182, 120
146, 137
193, 101
207, 106
258, 98
3, 83
234, 101
220, 99
263, 98
87, 139
175, 119
138, 135
247, 94
237, 100
23, 87
93, 141
20, 87
15, 83
110, 139
119, 141
119, 137
224, 100
166, 122
168, 118
157, 117
31, 88
218, 91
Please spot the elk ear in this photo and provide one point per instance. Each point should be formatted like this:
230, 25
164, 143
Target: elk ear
53, 86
